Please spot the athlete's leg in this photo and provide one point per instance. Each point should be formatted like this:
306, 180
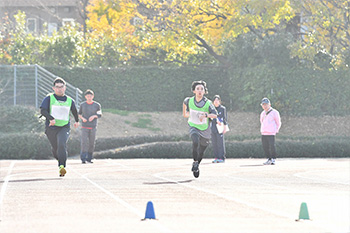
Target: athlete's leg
52, 136
195, 144
62, 138
204, 143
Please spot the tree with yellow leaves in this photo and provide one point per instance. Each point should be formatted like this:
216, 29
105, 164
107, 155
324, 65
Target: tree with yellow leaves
183, 29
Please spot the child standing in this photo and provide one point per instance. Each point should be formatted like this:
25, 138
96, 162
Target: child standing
89, 112
199, 110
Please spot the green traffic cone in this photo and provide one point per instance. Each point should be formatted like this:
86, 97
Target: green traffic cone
304, 213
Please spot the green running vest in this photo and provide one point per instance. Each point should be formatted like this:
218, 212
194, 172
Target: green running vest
60, 110
194, 115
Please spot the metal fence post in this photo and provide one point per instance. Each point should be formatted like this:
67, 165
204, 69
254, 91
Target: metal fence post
36, 86
76, 96
14, 84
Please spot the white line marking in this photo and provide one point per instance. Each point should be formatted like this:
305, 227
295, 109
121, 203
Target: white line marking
4, 186
121, 201
317, 179
278, 213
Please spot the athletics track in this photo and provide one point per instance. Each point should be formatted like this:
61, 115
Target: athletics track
237, 196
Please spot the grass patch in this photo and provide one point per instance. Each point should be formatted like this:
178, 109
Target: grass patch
142, 123
117, 111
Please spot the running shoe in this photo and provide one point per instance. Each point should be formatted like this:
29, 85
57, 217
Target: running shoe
220, 161
62, 171
215, 160
273, 161
268, 162
195, 166
196, 174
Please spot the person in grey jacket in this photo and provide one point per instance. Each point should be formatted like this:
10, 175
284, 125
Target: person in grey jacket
89, 112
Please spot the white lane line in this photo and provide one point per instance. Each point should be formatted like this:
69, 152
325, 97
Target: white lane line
121, 201
249, 204
302, 175
4, 186
268, 184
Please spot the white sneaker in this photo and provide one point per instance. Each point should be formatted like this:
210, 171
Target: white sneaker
268, 162
273, 161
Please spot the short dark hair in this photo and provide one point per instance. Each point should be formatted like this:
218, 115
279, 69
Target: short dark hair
88, 92
216, 97
59, 80
201, 82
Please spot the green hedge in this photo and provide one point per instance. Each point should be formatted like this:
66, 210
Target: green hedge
143, 88
36, 146
317, 148
293, 90
31, 146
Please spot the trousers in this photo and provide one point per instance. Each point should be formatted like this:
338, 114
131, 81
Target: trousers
268, 143
88, 137
58, 138
199, 144
218, 143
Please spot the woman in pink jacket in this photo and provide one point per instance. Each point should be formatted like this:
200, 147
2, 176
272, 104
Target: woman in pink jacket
270, 125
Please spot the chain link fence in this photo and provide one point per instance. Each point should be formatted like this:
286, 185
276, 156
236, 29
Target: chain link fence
28, 85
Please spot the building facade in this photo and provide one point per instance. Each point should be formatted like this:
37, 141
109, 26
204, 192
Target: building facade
43, 15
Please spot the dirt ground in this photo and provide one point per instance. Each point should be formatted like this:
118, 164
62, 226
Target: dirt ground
172, 123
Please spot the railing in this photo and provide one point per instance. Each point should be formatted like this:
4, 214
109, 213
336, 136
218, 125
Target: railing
29, 85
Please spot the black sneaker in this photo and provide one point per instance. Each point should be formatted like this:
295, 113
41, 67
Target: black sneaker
196, 174
195, 166
83, 162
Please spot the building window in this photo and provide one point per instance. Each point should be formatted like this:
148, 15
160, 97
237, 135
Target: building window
51, 28
66, 10
31, 25
68, 21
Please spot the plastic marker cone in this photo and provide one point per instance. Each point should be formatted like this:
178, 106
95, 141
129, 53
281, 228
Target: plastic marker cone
149, 211
304, 213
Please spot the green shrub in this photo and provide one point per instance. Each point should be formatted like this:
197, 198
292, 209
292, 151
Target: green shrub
31, 146
235, 149
293, 89
16, 119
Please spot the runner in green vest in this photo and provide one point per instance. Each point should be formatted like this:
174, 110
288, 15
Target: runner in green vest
56, 108
199, 111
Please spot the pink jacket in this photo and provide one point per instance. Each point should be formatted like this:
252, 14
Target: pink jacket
271, 123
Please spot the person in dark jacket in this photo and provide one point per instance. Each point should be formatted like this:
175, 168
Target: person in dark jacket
218, 129
56, 108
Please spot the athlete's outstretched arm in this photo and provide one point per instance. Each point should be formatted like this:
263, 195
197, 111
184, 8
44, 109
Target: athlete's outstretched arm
185, 113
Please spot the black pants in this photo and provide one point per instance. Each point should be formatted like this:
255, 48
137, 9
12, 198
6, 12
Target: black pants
58, 138
218, 143
199, 144
268, 143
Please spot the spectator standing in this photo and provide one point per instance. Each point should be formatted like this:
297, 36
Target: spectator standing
218, 130
270, 125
